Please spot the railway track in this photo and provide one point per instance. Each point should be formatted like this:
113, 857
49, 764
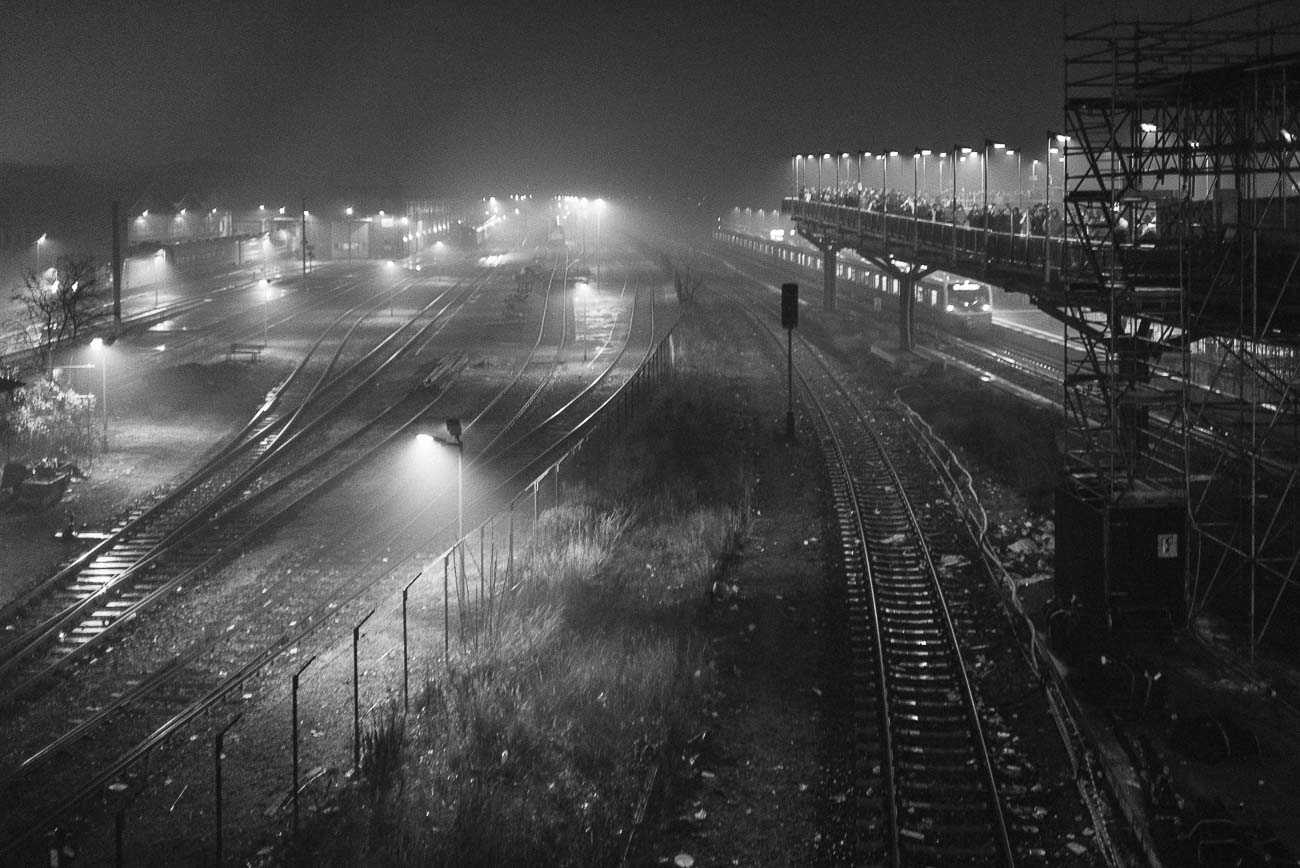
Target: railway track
220, 659
924, 759
941, 800
74, 611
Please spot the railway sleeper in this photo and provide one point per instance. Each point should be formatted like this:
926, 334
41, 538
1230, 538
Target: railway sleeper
949, 832
946, 852
911, 677
924, 669
905, 720
956, 757
914, 773
897, 608
933, 648
909, 582
931, 736
962, 808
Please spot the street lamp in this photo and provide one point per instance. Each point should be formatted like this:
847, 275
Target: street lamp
997, 146
266, 309
600, 206
959, 153
99, 347
1053, 139
920, 153
1020, 184
39, 242
348, 211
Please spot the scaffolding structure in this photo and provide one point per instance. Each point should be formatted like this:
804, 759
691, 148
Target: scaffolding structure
1183, 359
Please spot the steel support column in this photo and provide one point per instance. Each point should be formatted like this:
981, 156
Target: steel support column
829, 261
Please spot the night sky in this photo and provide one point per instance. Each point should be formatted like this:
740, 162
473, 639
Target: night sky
705, 99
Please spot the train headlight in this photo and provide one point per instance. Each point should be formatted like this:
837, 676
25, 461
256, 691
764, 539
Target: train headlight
950, 308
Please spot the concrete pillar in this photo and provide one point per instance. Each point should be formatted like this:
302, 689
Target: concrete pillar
906, 304
828, 277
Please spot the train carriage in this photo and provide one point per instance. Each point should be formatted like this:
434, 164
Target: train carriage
949, 301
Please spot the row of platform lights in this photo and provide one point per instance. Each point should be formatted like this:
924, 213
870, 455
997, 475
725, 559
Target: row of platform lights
1054, 143
962, 153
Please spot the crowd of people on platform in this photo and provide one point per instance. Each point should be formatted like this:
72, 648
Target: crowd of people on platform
1002, 214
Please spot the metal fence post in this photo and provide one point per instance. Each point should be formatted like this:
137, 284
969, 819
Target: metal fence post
356, 693
296, 676
221, 737
446, 612
510, 557
406, 657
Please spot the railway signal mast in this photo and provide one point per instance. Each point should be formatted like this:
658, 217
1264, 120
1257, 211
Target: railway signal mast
789, 319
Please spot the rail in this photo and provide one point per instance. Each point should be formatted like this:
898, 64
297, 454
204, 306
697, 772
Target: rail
604, 421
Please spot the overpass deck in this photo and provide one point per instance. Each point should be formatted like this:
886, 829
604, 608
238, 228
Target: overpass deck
1061, 275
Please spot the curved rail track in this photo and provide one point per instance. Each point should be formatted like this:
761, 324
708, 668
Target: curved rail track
74, 610
924, 753
222, 657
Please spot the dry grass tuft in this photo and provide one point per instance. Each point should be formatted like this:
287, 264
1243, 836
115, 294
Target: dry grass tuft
532, 748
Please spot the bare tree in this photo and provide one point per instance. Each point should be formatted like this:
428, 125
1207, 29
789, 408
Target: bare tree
60, 303
687, 279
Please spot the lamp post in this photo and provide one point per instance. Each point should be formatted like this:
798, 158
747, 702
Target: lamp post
997, 146
600, 206
921, 154
1020, 185
266, 312
98, 346
1053, 139
348, 212
39, 242
959, 153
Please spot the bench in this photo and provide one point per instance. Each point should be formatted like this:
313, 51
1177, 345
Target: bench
250, 350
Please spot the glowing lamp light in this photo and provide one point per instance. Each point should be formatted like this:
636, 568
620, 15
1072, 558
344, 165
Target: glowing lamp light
1148, 127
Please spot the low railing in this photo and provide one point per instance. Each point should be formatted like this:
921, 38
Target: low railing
948, 243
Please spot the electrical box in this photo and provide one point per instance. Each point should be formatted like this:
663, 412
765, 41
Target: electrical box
1125, 558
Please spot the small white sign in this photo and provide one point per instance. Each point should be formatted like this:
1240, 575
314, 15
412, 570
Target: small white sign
1167, 545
